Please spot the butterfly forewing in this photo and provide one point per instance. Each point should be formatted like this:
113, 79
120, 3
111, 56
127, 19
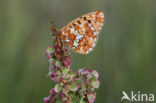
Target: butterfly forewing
81, 34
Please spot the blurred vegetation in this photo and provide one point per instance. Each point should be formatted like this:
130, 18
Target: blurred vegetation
124, 55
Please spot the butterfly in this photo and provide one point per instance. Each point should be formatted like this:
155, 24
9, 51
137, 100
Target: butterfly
81, 34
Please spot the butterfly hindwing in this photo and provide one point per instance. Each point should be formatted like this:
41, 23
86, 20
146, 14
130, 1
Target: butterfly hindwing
81, 34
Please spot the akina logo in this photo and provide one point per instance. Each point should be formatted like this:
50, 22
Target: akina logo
137, 97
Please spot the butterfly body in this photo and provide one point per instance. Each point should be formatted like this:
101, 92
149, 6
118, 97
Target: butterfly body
81, 34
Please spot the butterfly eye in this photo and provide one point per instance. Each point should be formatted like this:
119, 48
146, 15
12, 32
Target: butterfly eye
53, 33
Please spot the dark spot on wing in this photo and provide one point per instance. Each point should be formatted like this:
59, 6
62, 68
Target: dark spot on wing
89, 21
79, 22
74, 24
85, 44
84, 18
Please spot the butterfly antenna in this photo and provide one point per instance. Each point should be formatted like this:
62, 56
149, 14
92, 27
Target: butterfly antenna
52, 22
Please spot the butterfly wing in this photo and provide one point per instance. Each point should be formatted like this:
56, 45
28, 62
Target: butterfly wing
81, 34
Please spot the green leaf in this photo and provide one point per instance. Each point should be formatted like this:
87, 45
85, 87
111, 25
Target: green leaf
82, 100
96, 84
72, 86
50, 50
58, 88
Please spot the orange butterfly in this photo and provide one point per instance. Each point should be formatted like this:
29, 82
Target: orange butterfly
81, 34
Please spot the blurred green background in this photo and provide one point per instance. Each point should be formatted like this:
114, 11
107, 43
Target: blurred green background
124, 55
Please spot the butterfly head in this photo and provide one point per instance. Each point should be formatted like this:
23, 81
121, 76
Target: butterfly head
53, 31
